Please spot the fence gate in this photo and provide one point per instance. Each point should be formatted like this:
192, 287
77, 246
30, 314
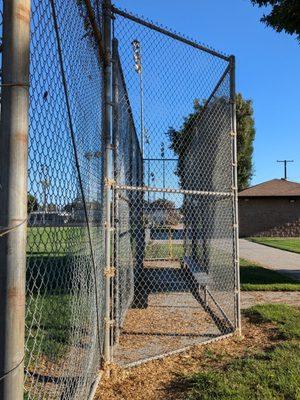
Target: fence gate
174, 192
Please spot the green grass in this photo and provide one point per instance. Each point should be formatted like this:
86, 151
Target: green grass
270, 375
48, 330
288, 244
48, 325
164, 250
254, 277
286, 318
53, 240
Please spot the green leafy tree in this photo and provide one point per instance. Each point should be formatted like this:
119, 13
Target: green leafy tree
284, 15
180, 139
245, 138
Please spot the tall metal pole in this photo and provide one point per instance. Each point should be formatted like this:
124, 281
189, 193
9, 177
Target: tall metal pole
116, 171
139, 69
142, 114
13, 195
235, 194
108, 176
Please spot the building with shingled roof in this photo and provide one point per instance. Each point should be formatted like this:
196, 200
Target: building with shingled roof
271, 208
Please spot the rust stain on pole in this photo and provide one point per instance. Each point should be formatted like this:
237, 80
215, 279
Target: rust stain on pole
23, 13
22, 137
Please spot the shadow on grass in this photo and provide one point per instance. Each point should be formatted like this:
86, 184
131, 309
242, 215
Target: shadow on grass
255, 277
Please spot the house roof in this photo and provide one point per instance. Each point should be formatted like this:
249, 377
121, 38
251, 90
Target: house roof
273, 188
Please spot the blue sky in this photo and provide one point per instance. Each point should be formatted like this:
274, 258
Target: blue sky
268, 69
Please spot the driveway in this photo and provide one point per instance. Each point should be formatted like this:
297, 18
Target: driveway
284, 262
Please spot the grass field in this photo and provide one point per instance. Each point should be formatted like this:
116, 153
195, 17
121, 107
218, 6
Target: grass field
288, 244
49, 280
53, 240
270, 375
48, 330
156, 250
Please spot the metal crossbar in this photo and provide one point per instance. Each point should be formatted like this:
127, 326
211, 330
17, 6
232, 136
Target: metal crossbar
172, 190
166, 32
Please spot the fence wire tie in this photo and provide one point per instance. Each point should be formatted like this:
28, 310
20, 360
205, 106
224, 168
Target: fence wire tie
12, 370
109, 182
5, 230
109, 322
232, 133
110, 272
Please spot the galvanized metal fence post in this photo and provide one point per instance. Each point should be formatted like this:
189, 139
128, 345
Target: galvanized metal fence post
115, 218
13, 195
235, 193
108, 175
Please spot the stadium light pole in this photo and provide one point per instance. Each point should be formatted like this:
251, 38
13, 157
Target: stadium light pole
136, 46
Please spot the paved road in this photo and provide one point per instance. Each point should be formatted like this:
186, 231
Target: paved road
284, 262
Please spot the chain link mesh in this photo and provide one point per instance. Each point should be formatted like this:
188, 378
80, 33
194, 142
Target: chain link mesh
128, 170
177, 101
172, 268
64, 287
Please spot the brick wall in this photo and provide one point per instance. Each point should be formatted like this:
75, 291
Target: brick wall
269, 216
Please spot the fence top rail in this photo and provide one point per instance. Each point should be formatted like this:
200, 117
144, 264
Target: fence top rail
167, 32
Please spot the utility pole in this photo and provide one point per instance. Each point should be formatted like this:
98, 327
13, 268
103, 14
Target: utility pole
285, 166
13, 194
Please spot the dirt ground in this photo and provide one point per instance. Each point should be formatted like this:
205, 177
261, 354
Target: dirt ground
160, 379
249, 299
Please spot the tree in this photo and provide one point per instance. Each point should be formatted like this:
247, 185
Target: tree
245, 138
32, 203
181, 139
284, 15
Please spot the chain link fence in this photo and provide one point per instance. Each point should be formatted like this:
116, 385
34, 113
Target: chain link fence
179, 97
128, 171
64, 277
132, 218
